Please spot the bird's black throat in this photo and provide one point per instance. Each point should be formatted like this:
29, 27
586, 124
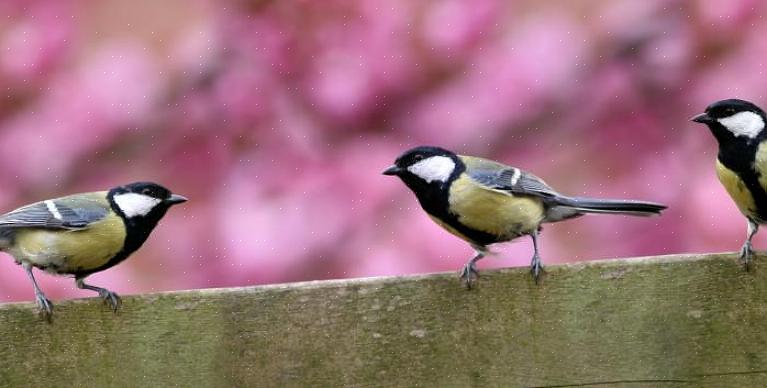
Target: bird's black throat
137, 230
739, 155
434, 199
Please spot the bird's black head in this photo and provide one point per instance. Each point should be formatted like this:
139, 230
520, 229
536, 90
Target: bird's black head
426, 168
143, 202
141, 205
732, 120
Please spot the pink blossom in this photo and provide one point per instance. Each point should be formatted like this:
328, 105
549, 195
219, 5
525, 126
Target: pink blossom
276, 119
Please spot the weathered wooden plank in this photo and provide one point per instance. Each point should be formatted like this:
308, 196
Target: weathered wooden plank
667, 321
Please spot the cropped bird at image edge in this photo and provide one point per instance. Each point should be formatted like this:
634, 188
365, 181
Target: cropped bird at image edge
741, 163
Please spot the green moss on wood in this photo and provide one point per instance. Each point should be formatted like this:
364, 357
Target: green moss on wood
676, 321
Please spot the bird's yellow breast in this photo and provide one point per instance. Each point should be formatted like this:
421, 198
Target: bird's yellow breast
70, 251
737, 190
760, 163
497, 213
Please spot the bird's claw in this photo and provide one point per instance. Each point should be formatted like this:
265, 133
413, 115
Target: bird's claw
112, 299
536, 268
469, 275
746, 253
46, 307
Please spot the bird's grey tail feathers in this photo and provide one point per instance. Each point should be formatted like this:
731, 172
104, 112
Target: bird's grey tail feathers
570, 207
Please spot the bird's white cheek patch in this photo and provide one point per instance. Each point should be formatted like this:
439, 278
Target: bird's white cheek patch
133, 204
435, 168
743, 124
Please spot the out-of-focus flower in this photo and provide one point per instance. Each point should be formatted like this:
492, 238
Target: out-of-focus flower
38, 41
277, 118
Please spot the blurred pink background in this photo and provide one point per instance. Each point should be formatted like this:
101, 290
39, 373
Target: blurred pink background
277, 117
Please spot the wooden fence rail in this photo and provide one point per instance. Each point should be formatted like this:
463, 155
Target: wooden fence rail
685, 320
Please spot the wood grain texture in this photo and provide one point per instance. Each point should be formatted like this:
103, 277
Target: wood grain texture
676, 321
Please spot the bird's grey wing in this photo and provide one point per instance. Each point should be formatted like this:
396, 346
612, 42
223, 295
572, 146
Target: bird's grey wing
513, 180
62, 213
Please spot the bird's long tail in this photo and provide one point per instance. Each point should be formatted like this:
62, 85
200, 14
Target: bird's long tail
569, 207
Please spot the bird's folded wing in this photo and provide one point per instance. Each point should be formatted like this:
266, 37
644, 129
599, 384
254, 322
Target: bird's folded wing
497, 176
62, 213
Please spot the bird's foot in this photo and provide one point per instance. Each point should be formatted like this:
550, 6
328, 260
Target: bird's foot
46, 307
536, 268
746, 254
469, 275
111, 298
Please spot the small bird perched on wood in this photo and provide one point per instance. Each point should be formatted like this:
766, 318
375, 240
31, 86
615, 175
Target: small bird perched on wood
84, 233
741, 164
485, 202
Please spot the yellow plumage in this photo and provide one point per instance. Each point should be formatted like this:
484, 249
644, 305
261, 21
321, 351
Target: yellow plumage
737, 190
495, 212
760, 163
60, 251
69, 251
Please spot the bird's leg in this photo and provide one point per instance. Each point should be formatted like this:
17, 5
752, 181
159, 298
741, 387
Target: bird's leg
469, 273
536, 266
46, 307
746, 253
109, 297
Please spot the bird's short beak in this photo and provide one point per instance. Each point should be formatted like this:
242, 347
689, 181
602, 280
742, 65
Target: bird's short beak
392, 170
175, 199
702, 118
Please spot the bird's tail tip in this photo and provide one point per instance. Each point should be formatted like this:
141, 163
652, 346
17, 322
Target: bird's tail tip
616, 206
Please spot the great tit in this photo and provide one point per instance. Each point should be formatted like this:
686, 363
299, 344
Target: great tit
485, 202
84, 233
741, 164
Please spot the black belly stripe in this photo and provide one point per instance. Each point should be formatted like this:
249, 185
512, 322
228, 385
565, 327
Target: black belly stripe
760, 196
437, 206
478, 237
433, 197
741, 162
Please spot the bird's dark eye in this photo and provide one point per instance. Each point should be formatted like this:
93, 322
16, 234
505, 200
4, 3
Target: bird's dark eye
729, 111
417, 157
146, 191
